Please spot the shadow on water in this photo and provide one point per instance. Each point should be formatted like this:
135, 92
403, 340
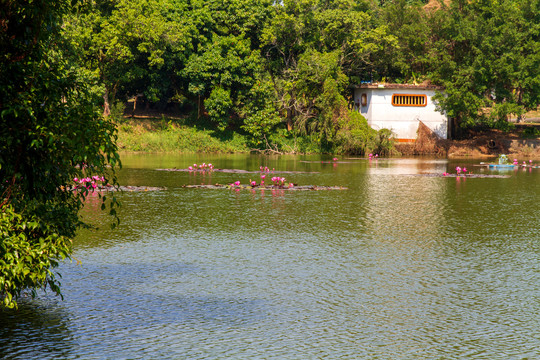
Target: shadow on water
118, 312
36, 330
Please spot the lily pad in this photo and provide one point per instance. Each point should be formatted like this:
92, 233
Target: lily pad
129, 188
267, 187
468, 176
238, 171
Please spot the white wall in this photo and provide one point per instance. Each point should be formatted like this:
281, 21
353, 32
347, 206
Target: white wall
402, 120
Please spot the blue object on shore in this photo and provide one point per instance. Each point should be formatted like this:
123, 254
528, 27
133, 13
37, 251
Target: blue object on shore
503, 166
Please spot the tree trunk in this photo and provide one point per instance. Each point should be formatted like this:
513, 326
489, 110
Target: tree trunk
134, 106
106, 105
289, 120
519, 102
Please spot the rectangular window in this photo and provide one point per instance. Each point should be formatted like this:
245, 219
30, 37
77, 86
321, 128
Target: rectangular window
409, 100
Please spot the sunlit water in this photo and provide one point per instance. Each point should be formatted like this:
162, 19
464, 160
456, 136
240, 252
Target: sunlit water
396, 267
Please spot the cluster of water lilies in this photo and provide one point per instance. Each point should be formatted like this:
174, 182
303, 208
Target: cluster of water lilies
276, 182
265, 169
201, 167
89, 183
372, 156
516, 163
459, 171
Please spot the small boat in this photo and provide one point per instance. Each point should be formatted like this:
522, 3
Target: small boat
501, 166
504, 164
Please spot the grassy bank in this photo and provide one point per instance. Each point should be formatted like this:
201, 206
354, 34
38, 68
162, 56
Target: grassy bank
177, 135
186, 135
164, 135
183, 136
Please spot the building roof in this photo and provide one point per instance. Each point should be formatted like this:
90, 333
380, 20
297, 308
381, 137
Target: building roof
397, 86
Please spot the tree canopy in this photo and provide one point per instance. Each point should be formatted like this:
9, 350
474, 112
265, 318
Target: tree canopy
256, 66
485, 54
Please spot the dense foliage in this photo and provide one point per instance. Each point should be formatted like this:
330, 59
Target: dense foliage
487, 56
283, 69
51, 131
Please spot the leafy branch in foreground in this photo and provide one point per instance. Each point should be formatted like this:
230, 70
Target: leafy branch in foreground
51, 132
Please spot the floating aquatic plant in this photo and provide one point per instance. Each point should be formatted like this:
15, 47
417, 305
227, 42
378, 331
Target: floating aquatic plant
90, 183
201, 167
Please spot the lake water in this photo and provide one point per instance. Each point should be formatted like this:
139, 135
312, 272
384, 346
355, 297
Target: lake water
401, 265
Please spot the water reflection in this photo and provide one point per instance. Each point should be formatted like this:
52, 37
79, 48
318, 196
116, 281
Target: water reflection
407, 166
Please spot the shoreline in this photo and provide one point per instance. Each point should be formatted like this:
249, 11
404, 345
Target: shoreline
484, 144
151, 137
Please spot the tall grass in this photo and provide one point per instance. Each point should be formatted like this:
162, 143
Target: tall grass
187, 136
168, 136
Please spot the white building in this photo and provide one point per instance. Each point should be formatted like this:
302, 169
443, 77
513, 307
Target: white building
400, 108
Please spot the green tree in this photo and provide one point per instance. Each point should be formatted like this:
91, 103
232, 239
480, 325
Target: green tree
222, 72
131, 47
225, 68
50, 132
318, 85
312, 49
486, 55
402, 59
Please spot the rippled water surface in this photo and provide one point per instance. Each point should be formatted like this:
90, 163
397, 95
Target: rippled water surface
399, 266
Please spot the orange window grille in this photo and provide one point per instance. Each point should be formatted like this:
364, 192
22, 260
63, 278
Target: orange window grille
409, 100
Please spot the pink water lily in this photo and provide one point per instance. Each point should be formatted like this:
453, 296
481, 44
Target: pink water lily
90, 183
